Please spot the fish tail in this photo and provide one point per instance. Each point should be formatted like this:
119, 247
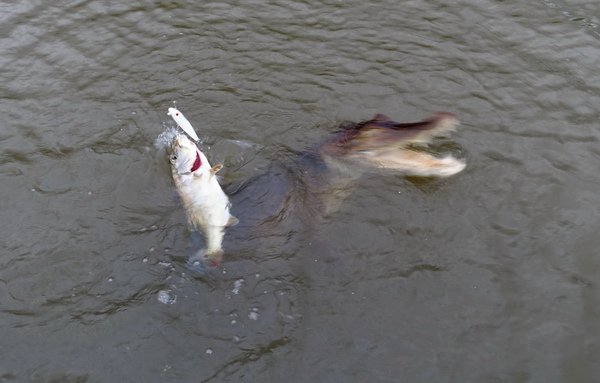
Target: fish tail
212, 257
204, 257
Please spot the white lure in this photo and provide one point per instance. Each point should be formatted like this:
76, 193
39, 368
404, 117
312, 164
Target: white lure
183, 122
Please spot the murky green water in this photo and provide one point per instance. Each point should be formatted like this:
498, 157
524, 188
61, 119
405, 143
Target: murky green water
489, 276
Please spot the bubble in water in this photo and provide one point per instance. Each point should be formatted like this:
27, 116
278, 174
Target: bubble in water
253, 315
166, 297
236, 286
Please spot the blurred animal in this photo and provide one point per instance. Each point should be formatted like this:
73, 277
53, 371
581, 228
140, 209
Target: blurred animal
387, 144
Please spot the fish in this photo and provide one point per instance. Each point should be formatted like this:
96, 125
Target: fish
206, 205
386, 144
183, 122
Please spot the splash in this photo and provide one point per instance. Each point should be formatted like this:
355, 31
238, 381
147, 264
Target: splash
165, 139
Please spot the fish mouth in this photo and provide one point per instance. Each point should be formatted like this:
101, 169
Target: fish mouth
175, 145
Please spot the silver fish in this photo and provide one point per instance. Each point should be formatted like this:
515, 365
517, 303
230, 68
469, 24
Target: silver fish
206, 205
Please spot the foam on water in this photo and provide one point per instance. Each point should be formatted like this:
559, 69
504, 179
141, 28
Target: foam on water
253, 315
166, 297
165, 139
237, 285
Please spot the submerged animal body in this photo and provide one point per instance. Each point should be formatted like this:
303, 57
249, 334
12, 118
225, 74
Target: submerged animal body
383, 143
309, 186
206, 205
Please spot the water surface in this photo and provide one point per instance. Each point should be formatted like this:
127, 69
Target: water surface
488, 276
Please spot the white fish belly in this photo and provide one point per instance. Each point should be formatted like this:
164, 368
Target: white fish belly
206, 206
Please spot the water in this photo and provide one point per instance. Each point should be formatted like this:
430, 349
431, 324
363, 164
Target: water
488, 276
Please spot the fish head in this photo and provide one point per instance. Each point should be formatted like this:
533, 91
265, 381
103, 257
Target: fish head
185, 156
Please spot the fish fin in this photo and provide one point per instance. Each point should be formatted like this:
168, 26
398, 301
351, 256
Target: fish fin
215, 169
232, 221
